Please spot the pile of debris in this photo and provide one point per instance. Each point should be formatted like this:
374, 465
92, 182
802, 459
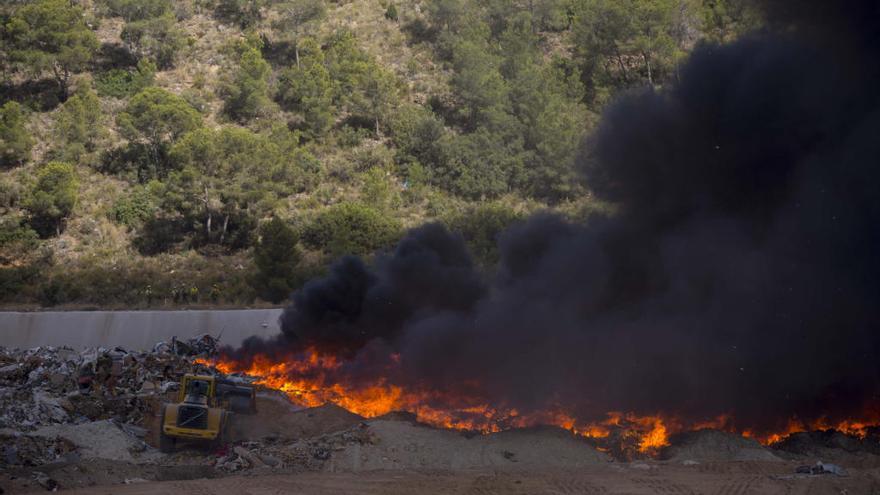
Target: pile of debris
52, 385
309, 454
114, 390
821, 468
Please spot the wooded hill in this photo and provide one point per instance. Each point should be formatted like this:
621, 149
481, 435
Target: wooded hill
170, 152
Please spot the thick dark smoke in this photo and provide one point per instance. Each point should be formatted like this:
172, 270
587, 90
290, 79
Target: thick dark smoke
429, 272
741, 275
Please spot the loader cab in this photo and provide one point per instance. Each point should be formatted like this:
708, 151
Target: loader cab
198, 389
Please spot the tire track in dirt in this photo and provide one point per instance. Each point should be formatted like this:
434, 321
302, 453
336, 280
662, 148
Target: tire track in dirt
740, 486
664, 486
574, 485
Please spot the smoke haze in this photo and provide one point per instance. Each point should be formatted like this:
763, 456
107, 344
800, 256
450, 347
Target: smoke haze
740, 275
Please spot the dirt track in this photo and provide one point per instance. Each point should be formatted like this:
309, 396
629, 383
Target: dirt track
638, 478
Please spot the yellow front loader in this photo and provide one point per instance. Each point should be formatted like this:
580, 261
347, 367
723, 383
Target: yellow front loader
197, 414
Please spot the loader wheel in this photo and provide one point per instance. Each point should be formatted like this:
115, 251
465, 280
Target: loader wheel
166, 443
220, 440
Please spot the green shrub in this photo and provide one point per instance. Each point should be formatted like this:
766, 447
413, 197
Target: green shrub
136, 10
49, 36
481, 225
14, 280
158, 39
244, 13
78, 125
349, 137
152, 120
10, 192
17, 239
121, 83
159, 235
133, 209
245, 91
53, 197
307, 88
351, 228
276, 257
378, 190
391, 12
15, 141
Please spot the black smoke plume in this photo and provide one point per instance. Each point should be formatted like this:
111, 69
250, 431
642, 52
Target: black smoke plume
741, 274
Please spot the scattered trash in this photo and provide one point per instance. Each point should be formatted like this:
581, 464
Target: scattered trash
821, 468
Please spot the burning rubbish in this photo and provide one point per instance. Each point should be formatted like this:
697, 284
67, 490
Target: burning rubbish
60, 431
311, 379
733, 288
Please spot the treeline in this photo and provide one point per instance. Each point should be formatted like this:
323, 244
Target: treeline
525, 81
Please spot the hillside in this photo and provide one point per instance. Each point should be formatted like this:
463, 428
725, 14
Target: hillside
163, 153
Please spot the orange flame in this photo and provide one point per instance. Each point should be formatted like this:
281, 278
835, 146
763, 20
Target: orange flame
311, 380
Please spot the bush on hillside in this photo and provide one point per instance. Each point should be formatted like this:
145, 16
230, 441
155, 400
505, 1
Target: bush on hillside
15, 140
276, 257
351, 228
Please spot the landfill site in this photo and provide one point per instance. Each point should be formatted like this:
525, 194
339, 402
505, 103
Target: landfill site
91, 421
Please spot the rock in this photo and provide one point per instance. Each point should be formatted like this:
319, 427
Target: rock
10, 455
245, 454
824, 468
135, 431
321, 453
9, 370
270, 460
57, 379
45, 481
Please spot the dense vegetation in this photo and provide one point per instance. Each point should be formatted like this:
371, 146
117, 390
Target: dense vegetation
220, 151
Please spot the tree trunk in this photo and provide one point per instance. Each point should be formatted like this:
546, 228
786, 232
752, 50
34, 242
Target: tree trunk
621, 65
208, 212
225, 225
62, 77
377, 127
296, 53
648, 66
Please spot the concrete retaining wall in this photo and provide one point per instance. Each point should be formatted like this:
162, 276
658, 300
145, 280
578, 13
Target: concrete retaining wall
132, 329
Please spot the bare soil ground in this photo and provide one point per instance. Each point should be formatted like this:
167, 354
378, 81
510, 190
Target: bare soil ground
327, 450
722, 479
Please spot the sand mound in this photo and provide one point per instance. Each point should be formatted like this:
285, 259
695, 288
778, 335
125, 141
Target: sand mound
818, 442
404, 445
830, 446
100, 440
714, 445
277, 417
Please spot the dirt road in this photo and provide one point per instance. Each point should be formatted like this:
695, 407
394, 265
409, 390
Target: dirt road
635, 479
